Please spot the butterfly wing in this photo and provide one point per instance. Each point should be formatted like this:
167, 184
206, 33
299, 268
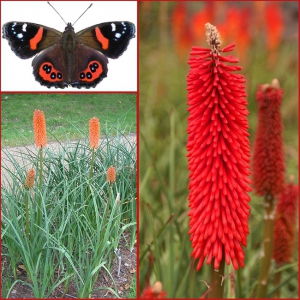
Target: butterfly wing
50, 68
110, 38
91, 67
27, 39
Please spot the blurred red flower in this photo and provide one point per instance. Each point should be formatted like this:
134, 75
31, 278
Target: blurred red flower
236, 27
199, 19
285, 225
274, 25
181, 28
268, 156
155, 292
218, 155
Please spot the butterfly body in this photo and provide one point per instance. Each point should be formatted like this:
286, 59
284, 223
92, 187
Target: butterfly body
69, 58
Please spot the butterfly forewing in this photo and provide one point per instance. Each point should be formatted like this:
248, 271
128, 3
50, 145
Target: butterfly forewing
28, 39
111, 38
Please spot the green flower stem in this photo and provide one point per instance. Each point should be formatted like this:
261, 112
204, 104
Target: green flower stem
268, 245
90, 177
39, 209
104, 219
92, 164
277, 281
27, 214
216, 276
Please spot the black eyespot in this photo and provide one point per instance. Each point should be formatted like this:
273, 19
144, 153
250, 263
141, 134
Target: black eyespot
48, 70
59, 75
95, 65
53, 75
89, 75
82, 75
92, 68
45, 67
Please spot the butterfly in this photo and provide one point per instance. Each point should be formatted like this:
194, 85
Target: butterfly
67, 58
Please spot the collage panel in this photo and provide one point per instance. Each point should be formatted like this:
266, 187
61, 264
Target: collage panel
68, 181
219, 111
42, 51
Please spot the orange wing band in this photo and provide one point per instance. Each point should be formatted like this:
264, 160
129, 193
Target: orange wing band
101, 39
36, 39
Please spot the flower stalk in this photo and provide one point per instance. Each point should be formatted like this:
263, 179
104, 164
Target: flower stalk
29, 183
216, 284
94, 132
39, 127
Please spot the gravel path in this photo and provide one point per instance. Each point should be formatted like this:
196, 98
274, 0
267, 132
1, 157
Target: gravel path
18, 152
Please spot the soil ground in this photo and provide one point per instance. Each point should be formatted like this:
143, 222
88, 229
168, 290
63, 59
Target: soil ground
123, 281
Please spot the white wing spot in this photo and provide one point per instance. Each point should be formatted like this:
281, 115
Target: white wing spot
24, 27
113, 26
118, 35
19, 35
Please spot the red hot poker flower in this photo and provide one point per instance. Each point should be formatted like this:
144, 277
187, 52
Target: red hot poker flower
111, 174
218, 155
154, 292
285, 225
29, 181
94, 127
39, 128
268, 156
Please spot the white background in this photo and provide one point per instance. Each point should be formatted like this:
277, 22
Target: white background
16, 73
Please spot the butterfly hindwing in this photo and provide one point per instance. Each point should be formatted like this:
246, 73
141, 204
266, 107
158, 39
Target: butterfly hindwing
110, 38
49, 67
28, 39
53, 68
90, 70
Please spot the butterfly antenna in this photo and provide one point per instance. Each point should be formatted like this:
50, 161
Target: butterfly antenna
57, 12
82, 14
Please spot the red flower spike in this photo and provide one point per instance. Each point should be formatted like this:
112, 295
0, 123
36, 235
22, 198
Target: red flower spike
268, 156
39, 128
154, 292
218, 155
285, 225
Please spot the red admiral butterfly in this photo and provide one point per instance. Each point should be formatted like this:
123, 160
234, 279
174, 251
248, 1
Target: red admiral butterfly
69, 58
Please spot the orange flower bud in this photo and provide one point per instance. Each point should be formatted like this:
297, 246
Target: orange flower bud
29, 181
111, 174
39, 128
94, 132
